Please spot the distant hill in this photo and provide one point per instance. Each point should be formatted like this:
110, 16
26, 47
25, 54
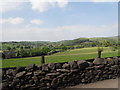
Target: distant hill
80, 42
74, 41
84, 40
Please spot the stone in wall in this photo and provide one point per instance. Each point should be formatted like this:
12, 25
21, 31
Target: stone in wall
73, 64
99, 61
45, 67
82, 64
66, 66
19, 69
110, 61
58, 66
116, 60
52, 66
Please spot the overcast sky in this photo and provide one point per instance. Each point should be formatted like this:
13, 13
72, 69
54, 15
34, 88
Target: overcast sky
56, 20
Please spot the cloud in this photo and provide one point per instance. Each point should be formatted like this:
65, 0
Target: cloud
36, 21
58, 33
44, 5
17, 20
41, 5
62, 3
9, 5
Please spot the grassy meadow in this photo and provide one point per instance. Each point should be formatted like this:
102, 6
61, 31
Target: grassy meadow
71, 55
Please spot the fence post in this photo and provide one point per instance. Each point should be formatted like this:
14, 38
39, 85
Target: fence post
99, 54
42, 59
100, 49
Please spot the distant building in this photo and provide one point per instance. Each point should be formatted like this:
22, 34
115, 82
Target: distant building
8, 54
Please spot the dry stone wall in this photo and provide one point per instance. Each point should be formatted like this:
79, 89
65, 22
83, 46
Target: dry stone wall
53, 76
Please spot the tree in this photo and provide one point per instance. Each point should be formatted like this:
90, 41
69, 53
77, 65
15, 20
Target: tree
107, 43
24, 53
45, 50
63, 48
14, 48
3, 55
17, 53
21, 47
8, 48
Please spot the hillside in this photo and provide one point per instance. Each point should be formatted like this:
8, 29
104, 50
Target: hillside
79, 41
70, 55
114, 38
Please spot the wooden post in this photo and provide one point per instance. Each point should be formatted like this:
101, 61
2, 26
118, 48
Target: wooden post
42, 59
99, 54
100, 49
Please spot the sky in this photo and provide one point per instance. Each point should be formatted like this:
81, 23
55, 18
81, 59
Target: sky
55, 20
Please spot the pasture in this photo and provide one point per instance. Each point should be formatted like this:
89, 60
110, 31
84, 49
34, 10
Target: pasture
71, 55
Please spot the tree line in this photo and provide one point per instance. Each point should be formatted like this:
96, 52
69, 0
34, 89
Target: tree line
38, 48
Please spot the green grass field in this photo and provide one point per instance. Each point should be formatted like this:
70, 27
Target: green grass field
71, 55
